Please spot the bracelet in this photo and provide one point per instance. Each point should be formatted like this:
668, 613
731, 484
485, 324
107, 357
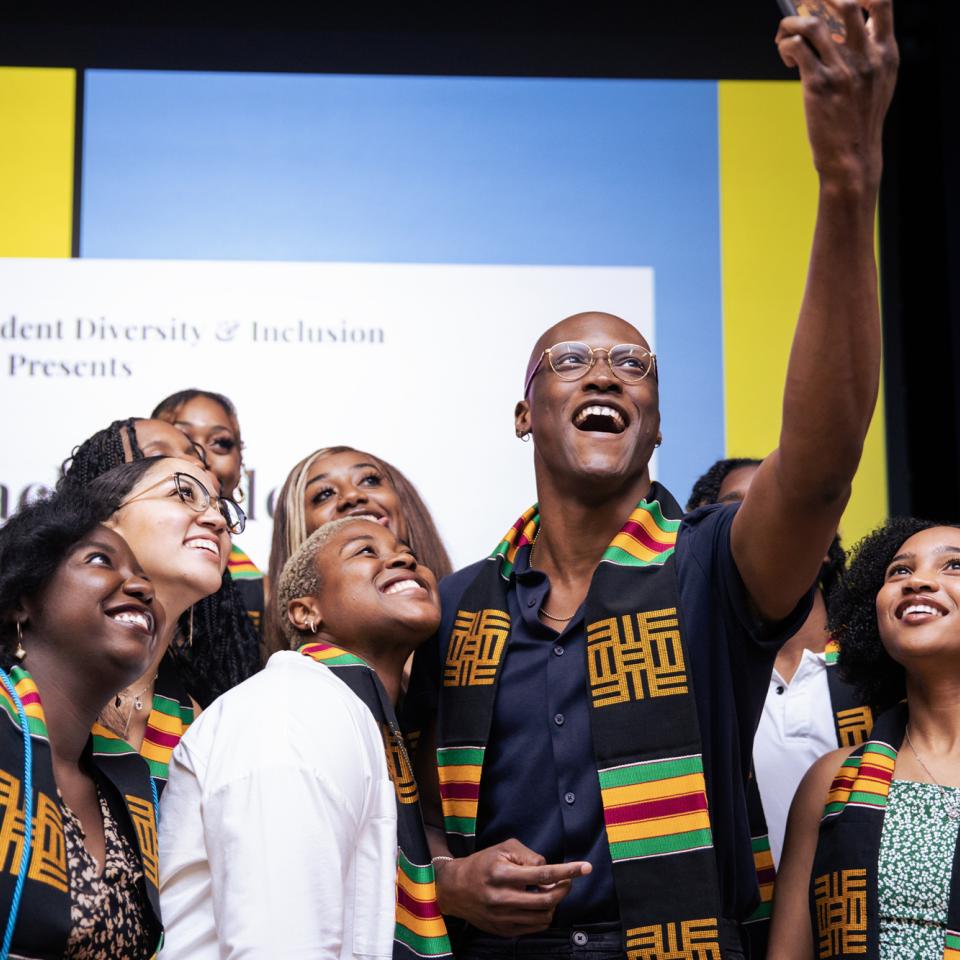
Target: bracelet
435, 860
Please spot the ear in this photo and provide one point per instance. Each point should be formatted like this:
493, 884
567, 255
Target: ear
304, 614
521, 418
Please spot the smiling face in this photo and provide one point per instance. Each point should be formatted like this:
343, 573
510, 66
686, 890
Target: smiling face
918, 606
597, 430
217, 433
99, 610
372, 590
350, 484
182, 551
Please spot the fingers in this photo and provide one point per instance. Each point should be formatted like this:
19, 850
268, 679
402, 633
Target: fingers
542, 875
795, 52
517, 852
880, 24
852, 15
815, 32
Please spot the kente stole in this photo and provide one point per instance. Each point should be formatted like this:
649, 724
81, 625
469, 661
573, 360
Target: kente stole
646, 734
420, 930
248, 580
852, 722
43, 924
844, 882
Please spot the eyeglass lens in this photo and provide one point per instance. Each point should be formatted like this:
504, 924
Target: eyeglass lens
196, 496
628, 361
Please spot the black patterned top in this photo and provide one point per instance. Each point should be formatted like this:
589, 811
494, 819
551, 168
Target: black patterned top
106, 908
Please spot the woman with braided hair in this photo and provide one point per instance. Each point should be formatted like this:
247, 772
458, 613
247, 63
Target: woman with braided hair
215, 645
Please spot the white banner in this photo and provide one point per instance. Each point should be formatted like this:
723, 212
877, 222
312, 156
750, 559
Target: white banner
418, 364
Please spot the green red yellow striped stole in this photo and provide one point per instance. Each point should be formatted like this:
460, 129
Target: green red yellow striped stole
863, 780
420, 930
766, 876
167, 723
30, 698
655, 807
459, 770
241, 567
644, 725
844, 881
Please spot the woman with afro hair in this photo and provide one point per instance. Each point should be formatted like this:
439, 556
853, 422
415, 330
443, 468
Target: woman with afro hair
868, 865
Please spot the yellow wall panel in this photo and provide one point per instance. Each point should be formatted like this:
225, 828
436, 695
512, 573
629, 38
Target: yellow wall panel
768, 206
36, 161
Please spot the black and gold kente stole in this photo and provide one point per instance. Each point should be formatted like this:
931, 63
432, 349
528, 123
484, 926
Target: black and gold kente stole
420, 930
646, 735
43, 923
844, 883
852, 722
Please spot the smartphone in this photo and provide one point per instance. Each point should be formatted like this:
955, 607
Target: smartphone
817, 8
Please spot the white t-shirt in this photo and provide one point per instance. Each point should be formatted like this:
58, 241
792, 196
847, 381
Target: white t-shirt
795, 730
278, 826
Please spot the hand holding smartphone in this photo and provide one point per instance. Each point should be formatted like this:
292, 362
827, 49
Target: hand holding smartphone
817, 8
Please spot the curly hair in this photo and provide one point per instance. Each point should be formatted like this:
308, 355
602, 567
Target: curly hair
707, 488
168, 408
290, 530
225, 648
35, 541
864, 662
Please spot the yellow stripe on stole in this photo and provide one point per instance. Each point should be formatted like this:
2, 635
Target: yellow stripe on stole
654, 790
460, 808
461, 774
434, 927
662, 826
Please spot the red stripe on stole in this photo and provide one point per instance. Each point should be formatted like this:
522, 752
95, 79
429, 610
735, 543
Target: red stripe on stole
30, 697
458, 790
161, 738
845, 783
653, 809
639, 534
766, 875
875, 773
424, 909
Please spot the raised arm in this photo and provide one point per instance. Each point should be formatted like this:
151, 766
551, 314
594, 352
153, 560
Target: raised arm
795, 502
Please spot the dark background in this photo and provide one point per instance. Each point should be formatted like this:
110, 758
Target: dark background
920, 201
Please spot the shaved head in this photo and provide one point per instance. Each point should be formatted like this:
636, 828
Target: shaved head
576, 327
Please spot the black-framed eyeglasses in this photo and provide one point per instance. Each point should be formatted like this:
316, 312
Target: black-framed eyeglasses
572, 359
197, 497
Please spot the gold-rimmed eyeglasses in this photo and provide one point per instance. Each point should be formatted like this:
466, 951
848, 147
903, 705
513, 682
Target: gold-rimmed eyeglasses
572, 359
194, 495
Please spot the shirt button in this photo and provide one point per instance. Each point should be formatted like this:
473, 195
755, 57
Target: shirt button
779, 689
559, 719
558, 650
570, 798
580, 938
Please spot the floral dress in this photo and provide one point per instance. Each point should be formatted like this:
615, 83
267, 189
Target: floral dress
916, 864
106, 908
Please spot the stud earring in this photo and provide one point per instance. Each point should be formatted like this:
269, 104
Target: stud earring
20, 653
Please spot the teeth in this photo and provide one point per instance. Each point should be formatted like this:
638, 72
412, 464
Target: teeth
402, 586
920, 608
598, 411
143, 620
208, 545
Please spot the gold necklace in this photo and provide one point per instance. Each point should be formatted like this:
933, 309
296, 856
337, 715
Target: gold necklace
951, 809
543, 609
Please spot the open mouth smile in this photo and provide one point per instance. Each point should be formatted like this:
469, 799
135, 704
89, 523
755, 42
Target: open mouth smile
205, 545
402, 585
600, 418
365, 513
136, 617
919, 611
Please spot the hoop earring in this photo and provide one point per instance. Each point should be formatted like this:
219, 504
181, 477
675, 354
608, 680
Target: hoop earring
659, 440
238, 494
525, 437
20, 653
312, 624
190, 629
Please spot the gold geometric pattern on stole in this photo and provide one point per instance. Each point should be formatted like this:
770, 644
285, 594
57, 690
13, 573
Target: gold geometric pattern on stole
476, 647
398, 766
677, 940
48, 855
841, 900
145, 825
634, 656
854, 726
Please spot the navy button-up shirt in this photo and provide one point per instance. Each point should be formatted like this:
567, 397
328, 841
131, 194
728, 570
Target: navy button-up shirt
540, 781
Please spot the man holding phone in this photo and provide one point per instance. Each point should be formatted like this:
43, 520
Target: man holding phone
598, 680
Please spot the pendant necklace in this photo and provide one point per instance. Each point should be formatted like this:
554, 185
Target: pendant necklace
952, 811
